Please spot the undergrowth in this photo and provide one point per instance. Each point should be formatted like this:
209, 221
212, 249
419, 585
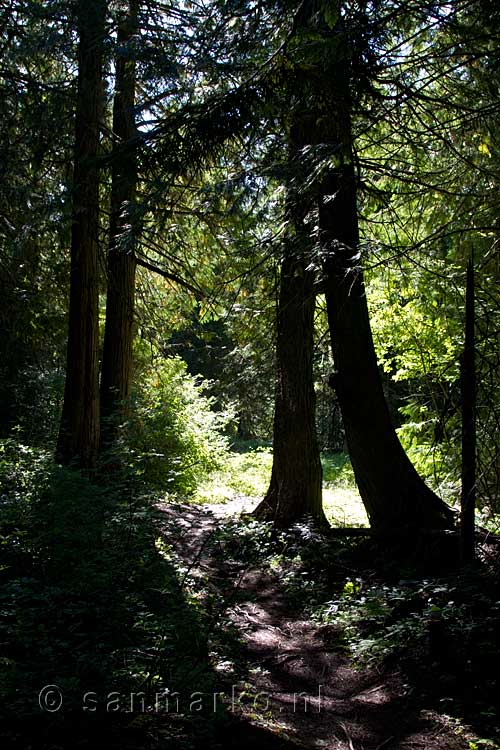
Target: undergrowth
441, 632
245, 472
89, 607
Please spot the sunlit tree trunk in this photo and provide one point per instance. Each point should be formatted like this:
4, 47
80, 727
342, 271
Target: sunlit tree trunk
121, 264
79, 429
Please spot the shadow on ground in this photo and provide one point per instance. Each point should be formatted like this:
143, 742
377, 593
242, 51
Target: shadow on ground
287, 681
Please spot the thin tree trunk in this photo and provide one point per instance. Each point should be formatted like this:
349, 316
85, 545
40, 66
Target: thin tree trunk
79, 428
468, 498
121, 264
295, 489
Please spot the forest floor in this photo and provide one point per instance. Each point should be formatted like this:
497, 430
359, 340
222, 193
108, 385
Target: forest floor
192, 625
243, 480
285, 679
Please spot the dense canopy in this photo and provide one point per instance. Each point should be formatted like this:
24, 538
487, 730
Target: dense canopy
250, 316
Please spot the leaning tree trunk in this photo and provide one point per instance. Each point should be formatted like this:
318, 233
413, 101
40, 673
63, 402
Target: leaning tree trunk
295, 489
121, 264
393, 493
79, 428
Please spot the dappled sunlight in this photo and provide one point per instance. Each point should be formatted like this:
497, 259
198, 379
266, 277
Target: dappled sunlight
343, 507
244, 478
243, 475
250, 263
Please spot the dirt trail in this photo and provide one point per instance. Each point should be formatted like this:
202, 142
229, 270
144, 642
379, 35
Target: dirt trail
300, 689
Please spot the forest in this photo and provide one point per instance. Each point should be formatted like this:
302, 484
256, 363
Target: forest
250, 374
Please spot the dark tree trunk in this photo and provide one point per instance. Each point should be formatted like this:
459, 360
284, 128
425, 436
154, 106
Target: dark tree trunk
295, 489
79, 429
393, 493
468, 498
121, 264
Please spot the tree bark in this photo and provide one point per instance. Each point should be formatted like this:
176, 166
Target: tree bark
117, 358
295, 490
79, 428
393, 493
468, 495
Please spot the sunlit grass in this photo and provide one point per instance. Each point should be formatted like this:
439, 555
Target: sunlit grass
246, 475
343, 507
341, 501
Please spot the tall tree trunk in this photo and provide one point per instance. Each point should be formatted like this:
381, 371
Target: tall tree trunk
468, 498
121, 264
393, 493
79, 429
295, 488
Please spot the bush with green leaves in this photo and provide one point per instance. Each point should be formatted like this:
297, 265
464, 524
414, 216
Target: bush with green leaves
88, 604
175, 436
451, 623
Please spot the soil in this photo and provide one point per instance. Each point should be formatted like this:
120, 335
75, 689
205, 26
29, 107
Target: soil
300, 687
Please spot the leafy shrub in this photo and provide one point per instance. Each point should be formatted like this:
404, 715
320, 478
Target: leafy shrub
87, 604
39, 398
453, 622
438, 463
174, 432
379, 621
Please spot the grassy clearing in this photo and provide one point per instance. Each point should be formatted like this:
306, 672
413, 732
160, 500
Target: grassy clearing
341, 500
245, 474
247, 471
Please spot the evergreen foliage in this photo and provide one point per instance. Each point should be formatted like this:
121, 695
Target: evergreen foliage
259, 169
